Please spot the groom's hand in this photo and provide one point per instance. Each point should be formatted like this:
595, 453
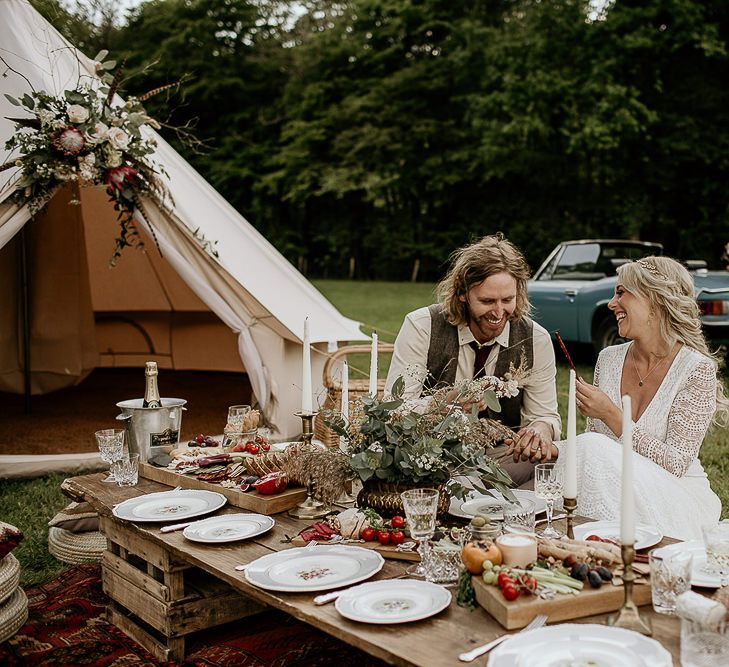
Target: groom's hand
532, 443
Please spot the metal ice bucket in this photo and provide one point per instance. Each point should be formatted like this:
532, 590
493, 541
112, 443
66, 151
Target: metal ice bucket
150, 430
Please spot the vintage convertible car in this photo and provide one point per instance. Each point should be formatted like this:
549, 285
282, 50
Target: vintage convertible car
571, 289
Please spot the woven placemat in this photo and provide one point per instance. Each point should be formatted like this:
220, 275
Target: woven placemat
9, 576
76, 548
13, 614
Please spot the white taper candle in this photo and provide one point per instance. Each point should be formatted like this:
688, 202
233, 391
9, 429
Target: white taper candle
373, 366
627, 497
570, 476
306, 400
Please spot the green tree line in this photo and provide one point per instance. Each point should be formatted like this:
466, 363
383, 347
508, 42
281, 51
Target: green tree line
369, 138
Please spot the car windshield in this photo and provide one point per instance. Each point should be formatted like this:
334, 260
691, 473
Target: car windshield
592, 261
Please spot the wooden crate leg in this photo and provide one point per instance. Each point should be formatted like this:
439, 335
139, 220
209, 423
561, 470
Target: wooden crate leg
171, 649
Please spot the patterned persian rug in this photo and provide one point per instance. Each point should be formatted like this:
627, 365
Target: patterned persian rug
67, 627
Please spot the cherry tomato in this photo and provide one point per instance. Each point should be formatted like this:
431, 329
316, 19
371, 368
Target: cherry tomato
397, 537
397, 522
383, 536
259, 439
200, 439
253, 448
510, 592
265, 446
369, 534
504, 579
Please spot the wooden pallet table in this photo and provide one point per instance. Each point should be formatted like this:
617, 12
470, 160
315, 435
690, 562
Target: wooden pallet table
158, 598
435, 642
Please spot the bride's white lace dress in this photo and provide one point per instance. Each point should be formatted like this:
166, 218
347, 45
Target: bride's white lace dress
672, 491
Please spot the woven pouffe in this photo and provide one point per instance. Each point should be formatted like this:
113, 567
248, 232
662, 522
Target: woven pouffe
9, 576
13, 614
76, 548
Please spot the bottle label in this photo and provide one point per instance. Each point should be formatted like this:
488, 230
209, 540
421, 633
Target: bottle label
167, 437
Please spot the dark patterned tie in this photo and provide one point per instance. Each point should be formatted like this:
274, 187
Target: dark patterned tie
482, 355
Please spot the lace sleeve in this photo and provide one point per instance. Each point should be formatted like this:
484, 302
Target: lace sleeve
688, 420
590, 425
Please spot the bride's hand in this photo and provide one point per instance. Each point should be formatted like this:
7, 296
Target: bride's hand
591, 401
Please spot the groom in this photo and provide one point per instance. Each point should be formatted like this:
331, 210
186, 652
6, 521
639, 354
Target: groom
480, 327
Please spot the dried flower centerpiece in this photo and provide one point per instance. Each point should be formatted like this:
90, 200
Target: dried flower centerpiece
395, 443
85, 136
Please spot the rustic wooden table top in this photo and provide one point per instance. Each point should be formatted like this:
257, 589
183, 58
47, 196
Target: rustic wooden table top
435, 641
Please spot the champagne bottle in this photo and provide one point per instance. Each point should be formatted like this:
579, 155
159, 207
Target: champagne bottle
151, 393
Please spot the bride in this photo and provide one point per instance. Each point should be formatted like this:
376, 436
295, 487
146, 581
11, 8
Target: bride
671, 378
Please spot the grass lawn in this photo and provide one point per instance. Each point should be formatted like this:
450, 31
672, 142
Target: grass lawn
381, 305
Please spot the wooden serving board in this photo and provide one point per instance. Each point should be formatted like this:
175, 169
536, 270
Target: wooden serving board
588, 602
247, 500
385, 550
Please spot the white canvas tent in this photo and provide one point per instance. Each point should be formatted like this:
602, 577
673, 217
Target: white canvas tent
84, 314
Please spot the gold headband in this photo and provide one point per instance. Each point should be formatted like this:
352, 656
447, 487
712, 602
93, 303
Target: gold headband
652, 269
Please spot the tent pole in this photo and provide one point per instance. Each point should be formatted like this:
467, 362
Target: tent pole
25, 303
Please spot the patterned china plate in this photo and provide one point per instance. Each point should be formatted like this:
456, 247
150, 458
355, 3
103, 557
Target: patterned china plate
309, 569
699, 576
228, 528
387, 602
577, 644
645, 536
170, 505
491, 505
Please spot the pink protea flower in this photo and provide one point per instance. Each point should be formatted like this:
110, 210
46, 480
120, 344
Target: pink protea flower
69, 141
118, 177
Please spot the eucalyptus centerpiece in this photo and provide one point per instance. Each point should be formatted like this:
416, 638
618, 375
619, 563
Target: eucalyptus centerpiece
395, 444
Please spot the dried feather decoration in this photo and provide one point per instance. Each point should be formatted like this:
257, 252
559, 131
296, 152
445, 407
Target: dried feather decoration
329, 469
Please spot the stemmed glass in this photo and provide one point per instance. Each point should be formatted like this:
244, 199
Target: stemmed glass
421, 507
111, 447
548, 485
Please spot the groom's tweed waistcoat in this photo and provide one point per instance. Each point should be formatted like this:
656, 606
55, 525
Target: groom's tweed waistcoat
443, 359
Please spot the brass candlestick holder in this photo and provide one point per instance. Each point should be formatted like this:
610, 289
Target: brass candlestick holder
628, 616
570, 505
309, 508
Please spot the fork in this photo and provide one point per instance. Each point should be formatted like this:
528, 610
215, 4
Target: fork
470, 656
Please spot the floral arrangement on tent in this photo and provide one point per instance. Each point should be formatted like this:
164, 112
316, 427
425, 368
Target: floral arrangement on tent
393, 444
81, 136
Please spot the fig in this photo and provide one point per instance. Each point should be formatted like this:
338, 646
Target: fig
579, 571
594, 578
604, 573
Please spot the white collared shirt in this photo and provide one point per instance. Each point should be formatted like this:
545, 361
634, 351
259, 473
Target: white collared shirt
539, 387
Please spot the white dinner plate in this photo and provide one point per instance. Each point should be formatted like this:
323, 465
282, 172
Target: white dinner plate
491, 505
309, 569
228, 528
699, 576
387, 602
576, 644
645, 535
170, 505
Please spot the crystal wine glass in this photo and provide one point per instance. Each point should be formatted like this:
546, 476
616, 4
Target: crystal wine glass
421, 507
548, 485
111, 447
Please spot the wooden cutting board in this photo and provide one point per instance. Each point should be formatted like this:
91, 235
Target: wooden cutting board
590, 601
247, 500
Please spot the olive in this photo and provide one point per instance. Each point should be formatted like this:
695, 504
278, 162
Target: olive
595, 579
579, 571
604, 573
478, 522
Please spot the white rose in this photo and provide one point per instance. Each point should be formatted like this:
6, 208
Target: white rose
114, 159
118, 138
100, 133
77, 113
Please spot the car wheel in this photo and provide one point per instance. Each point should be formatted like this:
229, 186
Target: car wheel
606, 335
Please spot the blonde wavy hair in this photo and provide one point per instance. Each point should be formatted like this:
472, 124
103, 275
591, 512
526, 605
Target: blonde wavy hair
472, 264
669, 290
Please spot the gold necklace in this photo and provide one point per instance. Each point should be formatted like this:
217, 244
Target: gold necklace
641, 380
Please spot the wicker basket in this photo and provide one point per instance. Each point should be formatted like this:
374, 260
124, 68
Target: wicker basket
9, 576
76, 548
13, 614
357, 389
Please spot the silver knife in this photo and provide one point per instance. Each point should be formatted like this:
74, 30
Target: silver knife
176, 526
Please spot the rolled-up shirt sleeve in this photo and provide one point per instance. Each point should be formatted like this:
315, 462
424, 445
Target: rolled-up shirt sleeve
410, 357
540, 386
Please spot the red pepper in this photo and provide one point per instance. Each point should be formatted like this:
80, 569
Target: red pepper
274, 482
